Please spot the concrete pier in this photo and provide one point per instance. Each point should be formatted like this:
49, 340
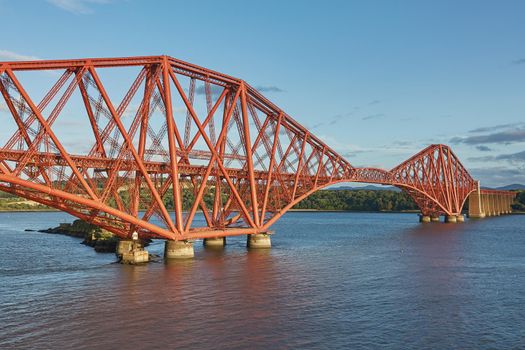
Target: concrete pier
475, 205
178, 250
123, 246
452, 219
424, 218
434, 218
135, 256
460, 218
259, 240
217, 242
131, 252
490, 205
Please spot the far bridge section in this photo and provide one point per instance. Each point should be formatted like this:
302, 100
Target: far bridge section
140, 145
485, 202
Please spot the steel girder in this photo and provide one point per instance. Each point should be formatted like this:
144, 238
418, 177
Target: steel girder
181, 139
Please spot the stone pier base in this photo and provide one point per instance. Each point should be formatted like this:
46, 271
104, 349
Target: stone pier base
131, 252
451, 219
460, 218
124, 246
259, 240
434, 218
424, 218
218, 242
135, 256
178, 250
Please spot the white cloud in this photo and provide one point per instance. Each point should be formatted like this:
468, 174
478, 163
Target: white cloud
498, 176
77, 7
6, 55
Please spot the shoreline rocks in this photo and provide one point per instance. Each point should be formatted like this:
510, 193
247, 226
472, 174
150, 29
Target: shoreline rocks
93, 236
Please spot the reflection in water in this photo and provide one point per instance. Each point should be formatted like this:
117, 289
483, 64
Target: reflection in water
331, 280
438, 292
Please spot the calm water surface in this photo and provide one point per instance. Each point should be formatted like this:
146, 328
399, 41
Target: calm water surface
331, 281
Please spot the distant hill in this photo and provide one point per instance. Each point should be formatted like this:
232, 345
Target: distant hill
512, 187
365, 188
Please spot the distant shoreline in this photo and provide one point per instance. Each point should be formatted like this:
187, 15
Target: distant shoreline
377, 211
355, 211
4, 210
51, 210
290, 210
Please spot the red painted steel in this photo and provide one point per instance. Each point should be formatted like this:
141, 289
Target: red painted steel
144, 173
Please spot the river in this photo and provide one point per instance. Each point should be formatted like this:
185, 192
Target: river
330, 281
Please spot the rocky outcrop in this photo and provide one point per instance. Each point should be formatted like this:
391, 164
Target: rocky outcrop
101, 240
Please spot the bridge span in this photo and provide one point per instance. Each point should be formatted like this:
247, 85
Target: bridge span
181, 139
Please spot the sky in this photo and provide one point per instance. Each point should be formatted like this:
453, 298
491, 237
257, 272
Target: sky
376, 80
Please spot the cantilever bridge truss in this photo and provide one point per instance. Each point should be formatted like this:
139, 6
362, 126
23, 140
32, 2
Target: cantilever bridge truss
179, 139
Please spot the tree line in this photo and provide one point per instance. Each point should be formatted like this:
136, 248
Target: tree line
358, 200
519, 201
349, 200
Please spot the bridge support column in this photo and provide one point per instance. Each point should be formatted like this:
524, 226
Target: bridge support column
494, 205
131, 252
424, 218
178, 250
259, 240
488, 204
476, 207
460, 218
123, 246
434, 218
217, 242
452, 219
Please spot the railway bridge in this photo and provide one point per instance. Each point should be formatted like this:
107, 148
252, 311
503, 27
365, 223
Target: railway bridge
160, 139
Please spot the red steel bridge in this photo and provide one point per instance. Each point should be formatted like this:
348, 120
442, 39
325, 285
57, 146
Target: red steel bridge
177, 140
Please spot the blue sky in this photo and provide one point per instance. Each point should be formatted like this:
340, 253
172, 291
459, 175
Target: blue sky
377, 80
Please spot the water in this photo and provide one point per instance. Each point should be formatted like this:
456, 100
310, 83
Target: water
332, 281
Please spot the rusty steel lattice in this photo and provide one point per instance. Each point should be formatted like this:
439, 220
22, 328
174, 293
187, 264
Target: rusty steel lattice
179, 140
434, 178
